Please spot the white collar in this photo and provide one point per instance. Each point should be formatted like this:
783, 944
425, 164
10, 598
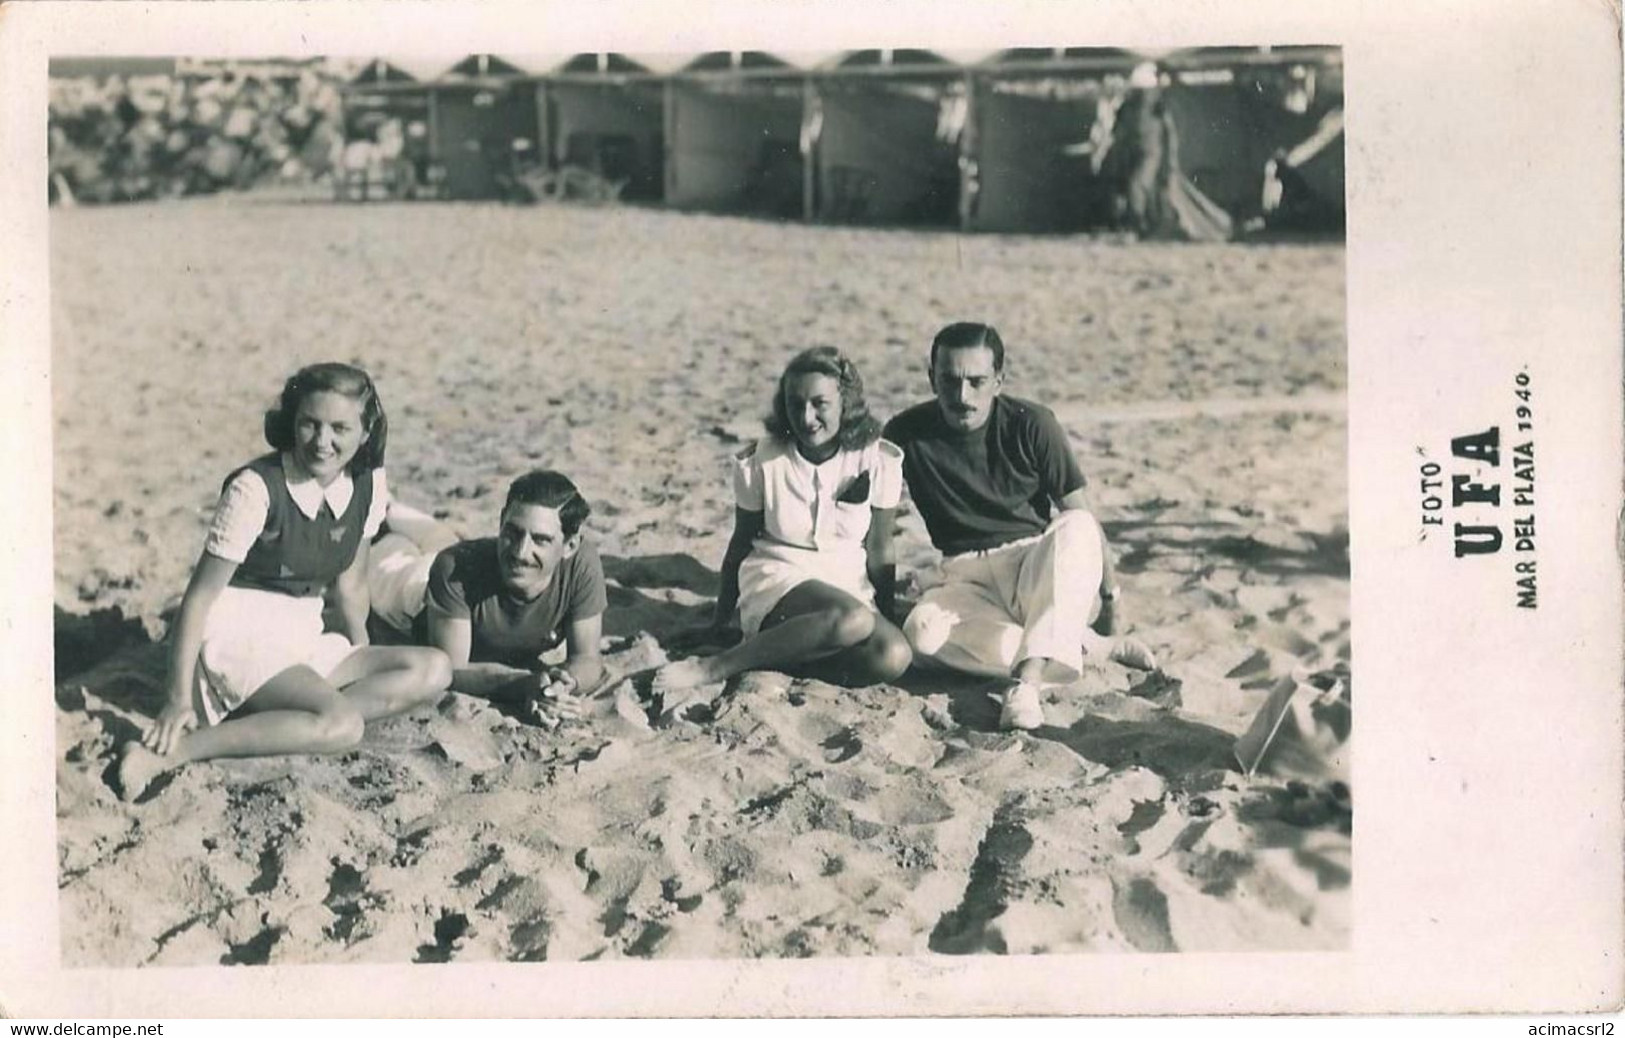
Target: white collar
788, 449
309, 494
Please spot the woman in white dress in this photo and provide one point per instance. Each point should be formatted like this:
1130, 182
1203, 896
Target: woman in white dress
810, 567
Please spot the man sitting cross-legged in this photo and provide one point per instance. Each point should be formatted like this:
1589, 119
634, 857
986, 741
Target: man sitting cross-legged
1027, 568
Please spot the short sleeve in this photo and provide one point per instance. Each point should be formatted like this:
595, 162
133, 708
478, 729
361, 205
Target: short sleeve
897, 429
1058, 467
239, 518
379, 508
888, 476
588, 595
747, 478
446, 594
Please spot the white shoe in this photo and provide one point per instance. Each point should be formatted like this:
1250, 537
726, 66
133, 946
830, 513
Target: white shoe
1021, 707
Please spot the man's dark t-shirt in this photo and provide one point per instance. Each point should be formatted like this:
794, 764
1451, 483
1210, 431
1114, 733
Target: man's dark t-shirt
465, 583
993, 485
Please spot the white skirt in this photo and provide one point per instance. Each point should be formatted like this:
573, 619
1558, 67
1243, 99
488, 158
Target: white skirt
770, 571
251, 637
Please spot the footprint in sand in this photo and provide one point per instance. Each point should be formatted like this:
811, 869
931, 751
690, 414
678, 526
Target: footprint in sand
451, 931
842, 746
347, 899
1161, 689
671, 891
1311, 808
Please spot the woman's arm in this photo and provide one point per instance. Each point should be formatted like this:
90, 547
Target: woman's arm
747, 524
209, 578
352, 598
881, 562
428, 533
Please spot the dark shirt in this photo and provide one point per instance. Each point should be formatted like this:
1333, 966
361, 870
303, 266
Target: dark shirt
993, 485
295, 555
465, 583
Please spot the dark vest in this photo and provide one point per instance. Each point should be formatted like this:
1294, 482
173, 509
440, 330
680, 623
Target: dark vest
295, 555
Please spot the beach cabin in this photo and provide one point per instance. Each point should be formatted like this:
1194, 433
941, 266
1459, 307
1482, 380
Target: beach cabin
485, 127
382, 91
1031, 136
1307, 139
387, 127
883, 139
733, 135
1236, 108
604, 114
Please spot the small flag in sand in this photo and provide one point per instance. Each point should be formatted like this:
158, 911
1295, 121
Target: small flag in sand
1252, 746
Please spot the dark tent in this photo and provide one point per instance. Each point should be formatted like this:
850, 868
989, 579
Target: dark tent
605, 114
734, 137
1030, 175
1151, 194
485, 127
381, 92
885, 147
1235, 109
1304, 190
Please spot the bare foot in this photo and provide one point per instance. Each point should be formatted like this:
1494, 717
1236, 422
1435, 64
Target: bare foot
1131, 652
137, 767
677, 686
685, 674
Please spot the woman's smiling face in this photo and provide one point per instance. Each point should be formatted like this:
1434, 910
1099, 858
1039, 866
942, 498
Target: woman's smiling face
328, 430
812, 403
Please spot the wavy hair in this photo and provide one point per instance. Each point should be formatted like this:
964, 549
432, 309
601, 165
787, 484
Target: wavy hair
550, 489
858, 429
332, 377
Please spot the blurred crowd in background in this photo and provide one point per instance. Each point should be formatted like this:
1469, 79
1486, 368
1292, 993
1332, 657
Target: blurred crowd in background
136, 137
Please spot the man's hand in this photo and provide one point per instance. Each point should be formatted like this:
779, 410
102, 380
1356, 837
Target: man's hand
555, 699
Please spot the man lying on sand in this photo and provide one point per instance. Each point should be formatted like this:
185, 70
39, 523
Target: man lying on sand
495, 605
1029, 586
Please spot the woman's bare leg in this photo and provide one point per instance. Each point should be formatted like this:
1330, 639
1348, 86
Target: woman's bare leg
812, 622
382, 681
297, 711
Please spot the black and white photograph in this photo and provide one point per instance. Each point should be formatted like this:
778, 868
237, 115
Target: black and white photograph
881, 504
850, 497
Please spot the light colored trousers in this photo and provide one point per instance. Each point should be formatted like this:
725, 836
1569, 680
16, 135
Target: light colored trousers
1029, 598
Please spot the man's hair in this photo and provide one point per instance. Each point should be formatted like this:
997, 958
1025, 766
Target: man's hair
550, 489
969, 335
858, 429
332, 377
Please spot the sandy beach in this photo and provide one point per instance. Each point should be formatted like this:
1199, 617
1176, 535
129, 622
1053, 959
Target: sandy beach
1203, 388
